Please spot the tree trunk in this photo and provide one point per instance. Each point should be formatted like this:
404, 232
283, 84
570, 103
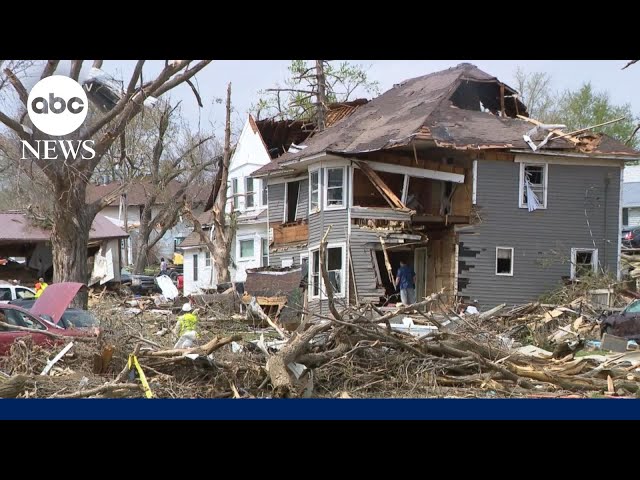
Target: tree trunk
142, 249
222, 234
321, 107
70, 236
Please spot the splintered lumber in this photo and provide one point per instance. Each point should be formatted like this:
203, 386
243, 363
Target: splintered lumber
386, 261
382, 187
212, 345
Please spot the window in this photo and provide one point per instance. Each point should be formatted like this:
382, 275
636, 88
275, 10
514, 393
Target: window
234, 192
265, 252
584, 261
533, 186
246, 248
265, 193
335, 188
315, 274
5, 294
625, 216
335, 269
504, 261
314, 191
24, 294
207, 259
176, 242
250, 194
195, 268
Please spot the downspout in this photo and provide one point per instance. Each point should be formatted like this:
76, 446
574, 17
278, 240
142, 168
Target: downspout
607, 180
268, 244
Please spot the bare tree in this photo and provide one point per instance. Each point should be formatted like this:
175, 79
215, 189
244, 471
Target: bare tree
223, 232
311, 87
535, 90
69, 179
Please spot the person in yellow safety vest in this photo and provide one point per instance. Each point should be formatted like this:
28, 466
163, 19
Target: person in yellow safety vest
40, 286
186, 322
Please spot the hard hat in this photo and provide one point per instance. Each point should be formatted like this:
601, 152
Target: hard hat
186, 307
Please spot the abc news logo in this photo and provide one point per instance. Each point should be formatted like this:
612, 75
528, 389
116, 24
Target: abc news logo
58, 106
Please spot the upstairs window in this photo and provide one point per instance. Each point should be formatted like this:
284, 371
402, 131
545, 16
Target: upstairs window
265, 196
335, 188
250, 193
314, 190
533, 185
234, 192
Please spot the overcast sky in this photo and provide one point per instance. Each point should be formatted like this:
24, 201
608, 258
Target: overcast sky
250, 76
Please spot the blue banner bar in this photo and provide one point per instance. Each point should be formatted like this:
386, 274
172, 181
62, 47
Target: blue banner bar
320, 409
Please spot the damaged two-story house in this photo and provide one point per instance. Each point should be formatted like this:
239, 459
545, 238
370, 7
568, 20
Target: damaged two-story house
447, 173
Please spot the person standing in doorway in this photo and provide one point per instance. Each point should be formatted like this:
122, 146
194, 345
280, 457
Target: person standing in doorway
406, 282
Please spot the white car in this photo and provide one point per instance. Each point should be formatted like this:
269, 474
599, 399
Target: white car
10, 292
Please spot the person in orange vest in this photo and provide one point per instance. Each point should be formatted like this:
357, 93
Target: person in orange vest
40, 286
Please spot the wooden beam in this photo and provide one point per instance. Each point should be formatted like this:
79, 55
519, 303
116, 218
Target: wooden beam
387, 262
382, 187
555, 131
418, 172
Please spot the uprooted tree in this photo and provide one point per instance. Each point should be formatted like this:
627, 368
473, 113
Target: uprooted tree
222, 224
69, 178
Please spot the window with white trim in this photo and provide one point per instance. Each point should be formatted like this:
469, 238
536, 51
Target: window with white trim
335, 188
265, 252
207, 259
335, 260
249, 193
533, 185
584, 261
245, 248
265, 195
314, 190
504, 261
234, 192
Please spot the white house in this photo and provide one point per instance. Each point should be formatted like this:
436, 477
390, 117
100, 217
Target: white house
136, 197
248, 199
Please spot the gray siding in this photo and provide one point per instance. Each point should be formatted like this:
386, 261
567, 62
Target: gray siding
362, 243
319, 222
294, 251
542, 240
303, 200
276, 203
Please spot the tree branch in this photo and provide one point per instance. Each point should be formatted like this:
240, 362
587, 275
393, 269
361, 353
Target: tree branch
195, 92
137, 71
76, 66
49, 68
97, 63
17, 85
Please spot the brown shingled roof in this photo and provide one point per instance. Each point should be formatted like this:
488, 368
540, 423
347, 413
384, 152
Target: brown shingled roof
442, 106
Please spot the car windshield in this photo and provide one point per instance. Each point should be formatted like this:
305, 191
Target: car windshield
634, 307
80, 318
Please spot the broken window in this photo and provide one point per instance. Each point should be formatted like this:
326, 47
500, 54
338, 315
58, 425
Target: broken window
250, 194
246, 248
504, 261
234, 192
314, 191
533, 186
584, 261
335, 187
335, 269
291, 203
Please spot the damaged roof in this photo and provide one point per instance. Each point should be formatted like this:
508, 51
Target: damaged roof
456, 108
15, 226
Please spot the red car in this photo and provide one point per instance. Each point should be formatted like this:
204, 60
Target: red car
53, 302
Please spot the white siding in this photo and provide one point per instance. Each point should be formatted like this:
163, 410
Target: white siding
634, 216
206, 275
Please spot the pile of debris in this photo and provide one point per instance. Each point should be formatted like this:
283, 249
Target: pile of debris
422, 350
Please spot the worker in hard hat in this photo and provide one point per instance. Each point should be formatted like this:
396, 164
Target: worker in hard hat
40, 286
187, 321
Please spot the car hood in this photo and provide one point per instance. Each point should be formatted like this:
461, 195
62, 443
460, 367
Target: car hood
55, 299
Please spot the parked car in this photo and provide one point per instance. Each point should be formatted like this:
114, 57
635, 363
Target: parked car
52, 303
9, 291
140, 284
631, 237
71, 318
624, 324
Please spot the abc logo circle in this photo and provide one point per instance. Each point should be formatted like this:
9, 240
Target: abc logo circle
57, 105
